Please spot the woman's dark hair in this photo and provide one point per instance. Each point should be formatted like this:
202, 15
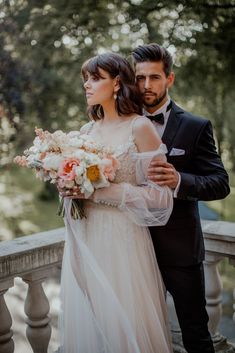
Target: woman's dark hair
128, 97
153, 52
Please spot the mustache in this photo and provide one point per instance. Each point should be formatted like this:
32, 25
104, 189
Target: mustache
148, 91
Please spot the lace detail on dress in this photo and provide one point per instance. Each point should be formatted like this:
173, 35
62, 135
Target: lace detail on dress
127, 171
86, 129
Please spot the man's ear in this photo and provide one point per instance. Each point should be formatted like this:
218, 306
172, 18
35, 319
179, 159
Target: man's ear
117, 84
170, 79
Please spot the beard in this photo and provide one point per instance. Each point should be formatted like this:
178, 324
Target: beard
156, 101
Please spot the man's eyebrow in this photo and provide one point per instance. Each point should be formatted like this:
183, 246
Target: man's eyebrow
151, 75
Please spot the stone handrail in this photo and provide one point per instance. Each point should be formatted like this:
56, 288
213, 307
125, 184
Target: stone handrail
35, 257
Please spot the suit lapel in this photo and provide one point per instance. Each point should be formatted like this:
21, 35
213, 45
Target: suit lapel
172, 125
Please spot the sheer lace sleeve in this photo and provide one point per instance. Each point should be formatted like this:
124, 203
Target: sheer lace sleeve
86, 128
146, 203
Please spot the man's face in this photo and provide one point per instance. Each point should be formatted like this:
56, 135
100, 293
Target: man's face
153, 83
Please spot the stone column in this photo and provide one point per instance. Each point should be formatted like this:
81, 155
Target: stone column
175, 328
37, 307
6, 341
214, 302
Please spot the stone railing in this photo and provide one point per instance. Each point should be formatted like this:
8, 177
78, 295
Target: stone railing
36, 257
33, 258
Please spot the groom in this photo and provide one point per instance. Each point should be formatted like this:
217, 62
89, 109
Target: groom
194, 171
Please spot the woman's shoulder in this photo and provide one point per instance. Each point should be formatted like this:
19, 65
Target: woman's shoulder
142, 124
86, 128
145, 134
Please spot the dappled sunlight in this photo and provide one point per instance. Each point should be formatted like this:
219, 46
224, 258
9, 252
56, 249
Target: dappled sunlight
13, 206
27, 227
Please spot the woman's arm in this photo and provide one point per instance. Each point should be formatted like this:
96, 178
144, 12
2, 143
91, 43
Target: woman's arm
145, 135
147, 204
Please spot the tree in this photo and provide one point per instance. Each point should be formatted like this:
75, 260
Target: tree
45, 43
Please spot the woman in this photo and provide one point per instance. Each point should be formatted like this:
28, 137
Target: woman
112, 293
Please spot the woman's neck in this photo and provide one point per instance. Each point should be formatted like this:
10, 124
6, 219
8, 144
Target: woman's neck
110, 112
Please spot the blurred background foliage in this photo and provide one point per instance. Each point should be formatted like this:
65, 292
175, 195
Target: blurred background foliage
42, 46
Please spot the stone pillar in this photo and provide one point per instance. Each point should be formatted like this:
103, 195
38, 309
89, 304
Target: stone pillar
6, 341
214, 302
175, 328
37, 307
213, 293
232, 262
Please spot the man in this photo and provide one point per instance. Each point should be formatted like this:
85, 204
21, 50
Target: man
195, 172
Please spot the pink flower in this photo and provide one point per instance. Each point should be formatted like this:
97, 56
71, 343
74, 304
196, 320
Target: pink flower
110, 169
67, 169
20, 160
41, 133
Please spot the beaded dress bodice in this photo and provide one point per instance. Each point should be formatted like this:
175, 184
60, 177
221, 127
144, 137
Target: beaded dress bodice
123, 152
126, 172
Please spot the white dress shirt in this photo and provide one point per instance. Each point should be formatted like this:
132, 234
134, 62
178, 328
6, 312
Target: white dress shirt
161, 128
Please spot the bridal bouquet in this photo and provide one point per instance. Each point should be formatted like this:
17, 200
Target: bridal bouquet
72, 161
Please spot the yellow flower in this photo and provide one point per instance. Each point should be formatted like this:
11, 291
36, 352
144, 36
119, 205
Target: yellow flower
93, 173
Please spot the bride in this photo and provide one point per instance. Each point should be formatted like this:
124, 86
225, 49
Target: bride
112, 293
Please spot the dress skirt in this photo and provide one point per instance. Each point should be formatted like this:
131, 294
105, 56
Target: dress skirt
112, 294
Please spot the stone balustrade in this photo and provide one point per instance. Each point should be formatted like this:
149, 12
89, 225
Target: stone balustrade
219, 238
33, 258
36, 257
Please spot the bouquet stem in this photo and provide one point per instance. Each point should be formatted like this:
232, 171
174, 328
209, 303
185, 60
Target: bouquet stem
77, 209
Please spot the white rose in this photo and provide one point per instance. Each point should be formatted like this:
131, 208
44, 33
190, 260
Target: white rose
37, 142
45, 147
79, 170
102, 182
73, 134
78, 180
75, 142
80, 154
85, 137
52, 161
87, 188
32, 150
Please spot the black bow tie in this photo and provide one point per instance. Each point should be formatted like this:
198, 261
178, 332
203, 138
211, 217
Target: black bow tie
159, 118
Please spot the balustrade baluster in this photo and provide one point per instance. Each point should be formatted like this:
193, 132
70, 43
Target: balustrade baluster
214, 302
232, 262
36, 308
213, 294
6, 341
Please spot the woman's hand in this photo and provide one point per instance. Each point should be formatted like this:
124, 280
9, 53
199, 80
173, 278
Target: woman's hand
74, 193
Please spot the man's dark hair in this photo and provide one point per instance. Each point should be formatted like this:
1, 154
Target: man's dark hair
153, 52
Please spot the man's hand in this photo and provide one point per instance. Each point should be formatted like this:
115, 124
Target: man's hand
163, 173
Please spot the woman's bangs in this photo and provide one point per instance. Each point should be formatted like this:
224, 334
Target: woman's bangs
91, 66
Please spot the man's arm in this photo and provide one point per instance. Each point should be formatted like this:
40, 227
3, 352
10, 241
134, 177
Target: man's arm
210, 181
206, 179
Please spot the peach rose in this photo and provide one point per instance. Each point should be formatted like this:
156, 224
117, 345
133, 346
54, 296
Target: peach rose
110, 169
67, 169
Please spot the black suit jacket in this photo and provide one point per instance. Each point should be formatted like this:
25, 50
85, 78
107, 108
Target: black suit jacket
203, 177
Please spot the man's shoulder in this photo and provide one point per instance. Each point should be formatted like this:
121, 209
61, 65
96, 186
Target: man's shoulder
187, 116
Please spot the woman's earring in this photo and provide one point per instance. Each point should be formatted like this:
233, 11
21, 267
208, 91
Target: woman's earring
115, 96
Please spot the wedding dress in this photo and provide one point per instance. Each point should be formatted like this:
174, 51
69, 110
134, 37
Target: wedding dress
112, 293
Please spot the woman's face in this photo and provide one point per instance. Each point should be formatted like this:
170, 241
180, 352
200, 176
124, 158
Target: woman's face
99, 88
